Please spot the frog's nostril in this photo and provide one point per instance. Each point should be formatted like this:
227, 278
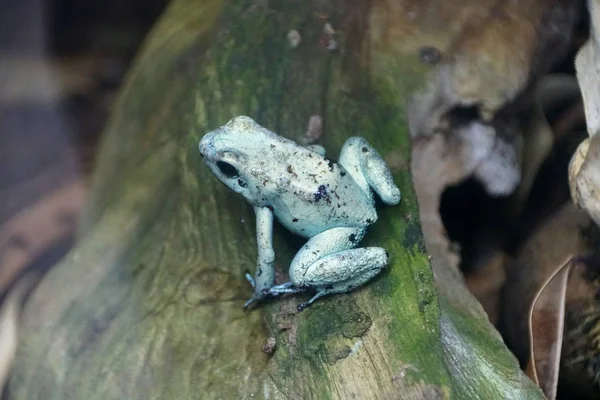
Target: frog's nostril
207, 144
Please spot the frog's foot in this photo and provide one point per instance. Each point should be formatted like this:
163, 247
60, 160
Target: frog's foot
302, 306
257, 296
368, 169
274, 291
251, 301
287, 287
250, 280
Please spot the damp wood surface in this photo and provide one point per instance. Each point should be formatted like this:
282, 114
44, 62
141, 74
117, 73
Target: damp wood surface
148, 305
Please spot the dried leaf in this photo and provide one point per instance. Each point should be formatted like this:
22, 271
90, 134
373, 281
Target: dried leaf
546, 326
579, 374
547, 247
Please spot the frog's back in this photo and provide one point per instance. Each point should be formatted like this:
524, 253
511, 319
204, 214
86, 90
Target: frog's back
318, 195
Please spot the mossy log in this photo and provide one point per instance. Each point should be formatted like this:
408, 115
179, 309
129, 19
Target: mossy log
148, 305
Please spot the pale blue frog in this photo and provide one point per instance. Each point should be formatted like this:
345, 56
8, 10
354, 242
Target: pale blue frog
329, 203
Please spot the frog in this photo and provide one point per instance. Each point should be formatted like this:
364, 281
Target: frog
329, 203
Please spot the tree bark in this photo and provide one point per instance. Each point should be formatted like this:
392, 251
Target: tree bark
149, 303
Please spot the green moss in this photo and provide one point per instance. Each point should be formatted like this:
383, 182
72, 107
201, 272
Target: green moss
324, 324
413, 238
467, 343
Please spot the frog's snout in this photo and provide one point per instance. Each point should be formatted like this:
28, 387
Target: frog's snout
205, 144
202, 147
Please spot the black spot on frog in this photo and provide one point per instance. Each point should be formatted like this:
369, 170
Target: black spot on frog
321, 193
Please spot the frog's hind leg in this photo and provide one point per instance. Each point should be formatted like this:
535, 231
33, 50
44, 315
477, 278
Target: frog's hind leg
330, 241
368, 169
351, 284
329, 263
359, 266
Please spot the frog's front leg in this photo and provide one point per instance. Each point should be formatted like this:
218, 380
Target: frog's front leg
265, 269
329, 263
368, 169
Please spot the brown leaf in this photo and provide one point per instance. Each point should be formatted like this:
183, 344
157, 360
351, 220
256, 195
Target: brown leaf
546, 325
568, 232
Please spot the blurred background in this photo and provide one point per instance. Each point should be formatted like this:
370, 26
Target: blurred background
61, 63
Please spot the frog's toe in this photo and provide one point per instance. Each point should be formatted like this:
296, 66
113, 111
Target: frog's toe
251, 301
287, 287
251, 280
302, 306
269, 293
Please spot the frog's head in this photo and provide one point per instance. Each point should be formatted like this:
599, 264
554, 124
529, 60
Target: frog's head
232, 152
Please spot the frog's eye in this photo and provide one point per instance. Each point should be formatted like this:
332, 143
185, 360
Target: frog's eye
227, 169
